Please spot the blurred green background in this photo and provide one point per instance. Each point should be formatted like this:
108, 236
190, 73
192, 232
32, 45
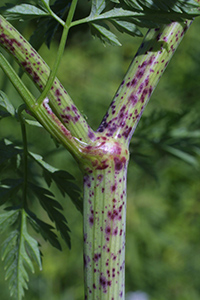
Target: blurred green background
163, 215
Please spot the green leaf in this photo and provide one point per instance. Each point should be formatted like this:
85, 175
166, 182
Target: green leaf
5, 103
39, 35
43, 3
32, 123
8, 151
63, 182
184, 133
128, 15
22, 12
165, 133
62, 179
97, 7
105, 35
182, 155
4, 114
47, 27
127, 27
134, 4
39, 159
9, 189
118, 13
7, 219
19, 251
45, 230
52, 207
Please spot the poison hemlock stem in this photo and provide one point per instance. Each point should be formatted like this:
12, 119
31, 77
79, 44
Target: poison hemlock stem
102, 155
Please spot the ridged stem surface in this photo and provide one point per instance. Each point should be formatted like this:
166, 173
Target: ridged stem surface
102, 155
144, 73
105, 221
33, 64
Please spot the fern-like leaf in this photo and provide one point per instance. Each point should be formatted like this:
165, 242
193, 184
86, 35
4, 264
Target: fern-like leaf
62, 179
52, 208
44, 229
129, 15
19, 251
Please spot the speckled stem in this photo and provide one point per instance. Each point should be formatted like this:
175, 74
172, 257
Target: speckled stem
104, 220
105, 176
37, 69
141, 79
102, 155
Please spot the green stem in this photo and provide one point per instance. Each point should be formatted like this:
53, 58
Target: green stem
43, 112
25, 154
59, 100
105, 166
104, 221
17, 82
143, 75
52, 13
59, 53
71, 13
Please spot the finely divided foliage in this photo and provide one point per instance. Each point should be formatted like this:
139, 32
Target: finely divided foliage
18, 251
126, 15
102, 155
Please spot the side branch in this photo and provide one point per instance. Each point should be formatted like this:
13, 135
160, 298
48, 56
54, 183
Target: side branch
145, 71
37, 69
43, 113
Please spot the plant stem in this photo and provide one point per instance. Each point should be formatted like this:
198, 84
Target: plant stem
43, 112
104, 220
143, 75
59, 100
105, 166
17, 82
25, 154
103, 156
59, 53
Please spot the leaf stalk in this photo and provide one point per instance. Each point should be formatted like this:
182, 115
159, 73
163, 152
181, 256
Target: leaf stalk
25, 155
59, 53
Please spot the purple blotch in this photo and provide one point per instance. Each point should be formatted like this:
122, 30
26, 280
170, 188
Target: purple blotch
113, 188
119, 163
96, 257
91, 220
140, 88
57, 92
94, 286
91, 135
144, 93
103, 281
139, 74
133, 99
127, 132
108, 230
115, 232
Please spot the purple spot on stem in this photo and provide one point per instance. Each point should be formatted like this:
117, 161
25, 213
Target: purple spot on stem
119, 163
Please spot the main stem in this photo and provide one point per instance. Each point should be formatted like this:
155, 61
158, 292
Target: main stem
105, 166
104, 220
103, 155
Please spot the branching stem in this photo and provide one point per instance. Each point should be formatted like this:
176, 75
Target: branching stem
102, 155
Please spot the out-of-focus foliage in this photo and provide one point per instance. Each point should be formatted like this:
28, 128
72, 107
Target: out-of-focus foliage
162, 254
